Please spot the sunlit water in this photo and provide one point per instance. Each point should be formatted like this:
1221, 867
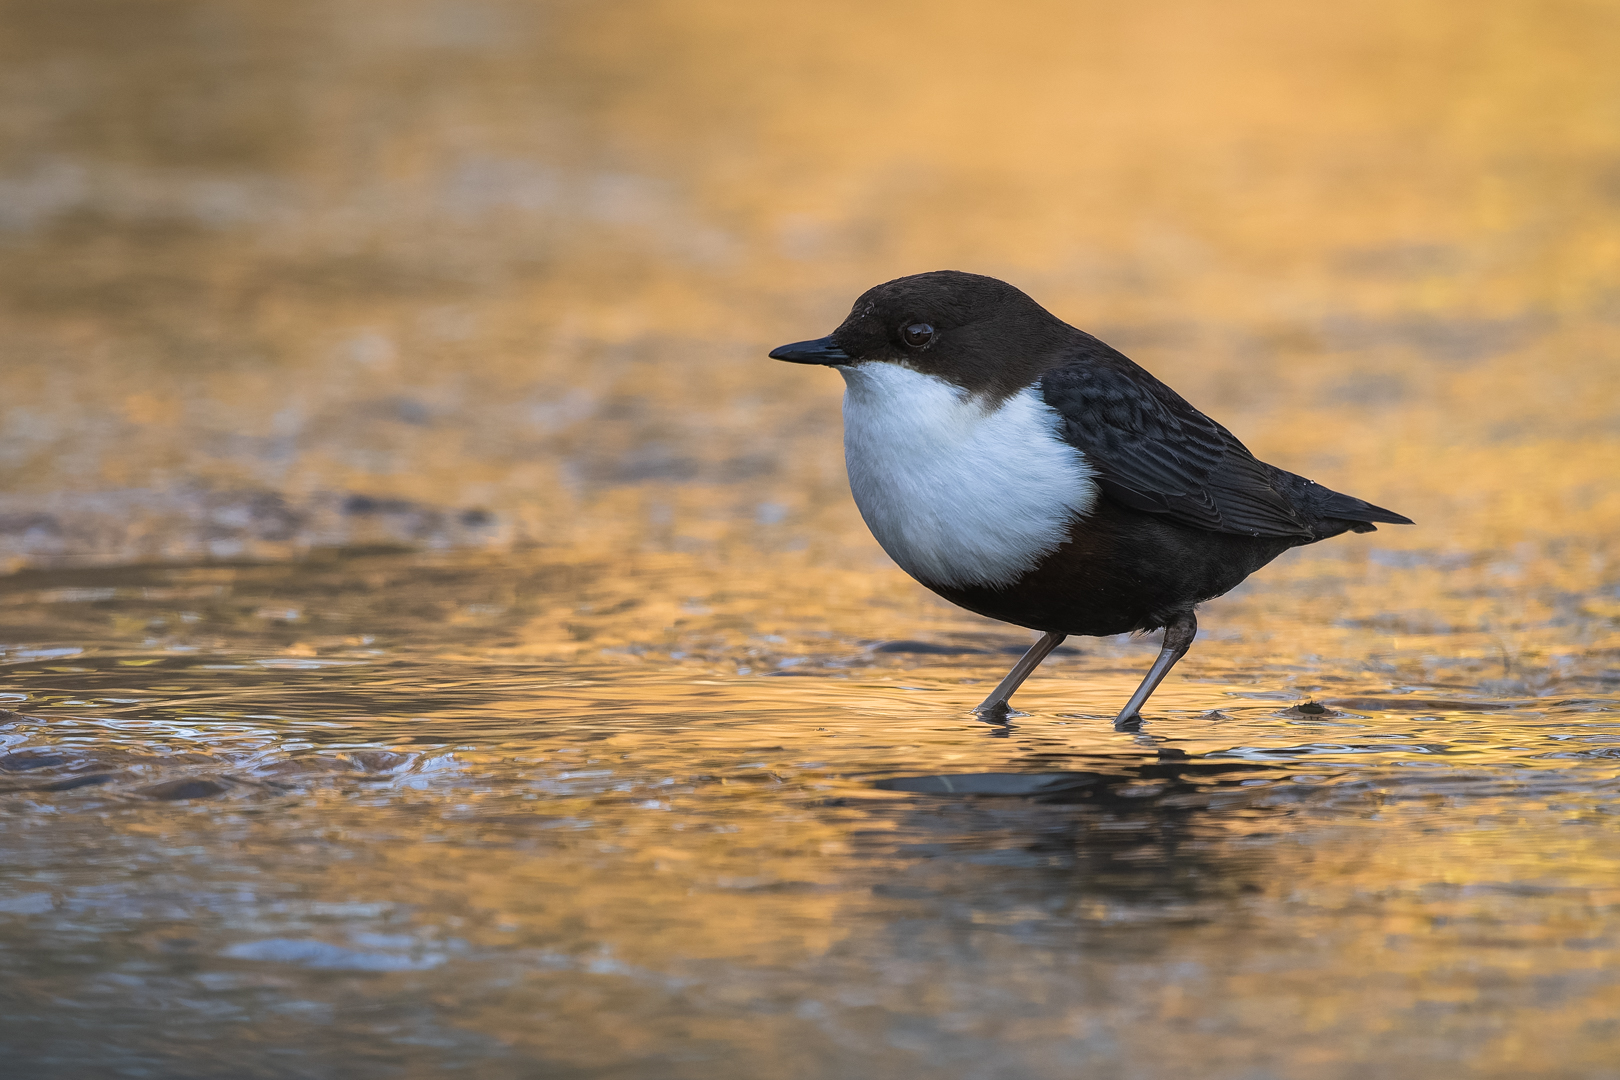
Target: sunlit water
337, 820
622, 751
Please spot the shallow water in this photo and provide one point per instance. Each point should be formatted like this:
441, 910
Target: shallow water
434, 639
346, 819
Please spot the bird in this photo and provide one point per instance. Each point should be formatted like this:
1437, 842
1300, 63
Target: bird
1024, 470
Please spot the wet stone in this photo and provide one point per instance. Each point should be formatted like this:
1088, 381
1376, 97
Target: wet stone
1314, 710
178, 790
28, 760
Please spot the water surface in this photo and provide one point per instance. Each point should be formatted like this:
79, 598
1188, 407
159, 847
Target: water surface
345, 818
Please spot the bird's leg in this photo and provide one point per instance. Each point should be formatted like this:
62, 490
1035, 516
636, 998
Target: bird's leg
997, 703
1178, 638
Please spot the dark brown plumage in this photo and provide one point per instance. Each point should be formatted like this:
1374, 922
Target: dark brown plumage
1181, 512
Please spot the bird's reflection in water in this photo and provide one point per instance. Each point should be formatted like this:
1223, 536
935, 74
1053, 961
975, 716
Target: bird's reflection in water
1157, 831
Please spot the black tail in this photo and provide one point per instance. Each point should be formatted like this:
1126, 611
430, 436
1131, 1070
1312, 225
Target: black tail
1330, 513
1350, 508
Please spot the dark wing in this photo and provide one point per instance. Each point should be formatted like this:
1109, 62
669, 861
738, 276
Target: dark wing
1152, 451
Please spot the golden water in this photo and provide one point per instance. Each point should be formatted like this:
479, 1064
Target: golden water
438, 639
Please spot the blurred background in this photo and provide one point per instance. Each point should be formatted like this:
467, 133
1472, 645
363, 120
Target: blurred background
495, 273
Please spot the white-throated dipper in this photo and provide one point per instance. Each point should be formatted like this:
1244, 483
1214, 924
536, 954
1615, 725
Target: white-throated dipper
1026, 471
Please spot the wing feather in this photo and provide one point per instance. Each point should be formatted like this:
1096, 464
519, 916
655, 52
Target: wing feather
1154, 452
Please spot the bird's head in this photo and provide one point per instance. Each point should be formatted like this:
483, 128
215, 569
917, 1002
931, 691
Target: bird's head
977, 332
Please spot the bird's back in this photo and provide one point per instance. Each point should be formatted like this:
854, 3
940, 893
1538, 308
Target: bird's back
1152, 451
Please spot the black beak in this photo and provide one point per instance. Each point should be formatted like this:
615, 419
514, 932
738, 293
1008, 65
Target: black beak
820, 351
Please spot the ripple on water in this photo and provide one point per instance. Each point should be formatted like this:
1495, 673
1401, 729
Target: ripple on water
436, 834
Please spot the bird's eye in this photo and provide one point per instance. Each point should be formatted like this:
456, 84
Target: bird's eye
917, 334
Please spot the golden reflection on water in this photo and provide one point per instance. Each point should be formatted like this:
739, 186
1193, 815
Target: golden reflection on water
577, 767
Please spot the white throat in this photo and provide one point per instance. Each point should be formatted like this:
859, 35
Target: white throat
957, 491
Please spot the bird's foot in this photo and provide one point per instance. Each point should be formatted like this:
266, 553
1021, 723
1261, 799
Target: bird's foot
1132, 722
996, 712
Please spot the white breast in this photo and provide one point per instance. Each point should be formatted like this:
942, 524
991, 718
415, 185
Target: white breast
959, 493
